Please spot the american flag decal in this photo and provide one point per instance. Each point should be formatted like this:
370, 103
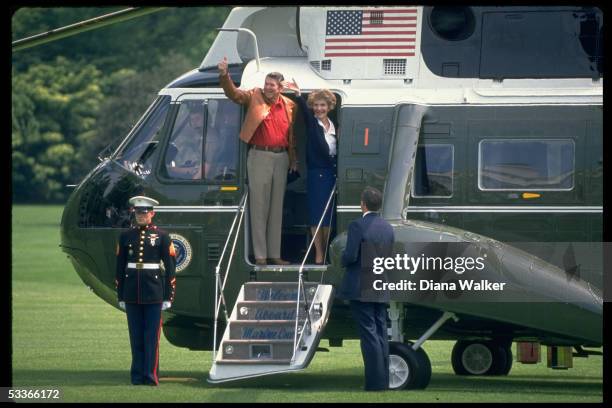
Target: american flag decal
371, 33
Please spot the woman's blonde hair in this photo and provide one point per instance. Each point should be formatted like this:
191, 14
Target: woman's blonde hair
322, 94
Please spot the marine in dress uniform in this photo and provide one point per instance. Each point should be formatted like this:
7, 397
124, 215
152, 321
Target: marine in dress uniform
143, 289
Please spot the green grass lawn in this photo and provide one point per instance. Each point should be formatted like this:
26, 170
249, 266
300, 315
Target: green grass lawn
65, 336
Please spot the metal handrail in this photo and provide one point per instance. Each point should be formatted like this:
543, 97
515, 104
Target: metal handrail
307, 307
327, 243
238, 211
219, 298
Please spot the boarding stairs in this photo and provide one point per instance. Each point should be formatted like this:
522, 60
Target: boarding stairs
274, 327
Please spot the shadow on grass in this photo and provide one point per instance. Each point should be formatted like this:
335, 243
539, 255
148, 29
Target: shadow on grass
536, 384
345, 380
336, 381
351, 380
348, 380
97, 377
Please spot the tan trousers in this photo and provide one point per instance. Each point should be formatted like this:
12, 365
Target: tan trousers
267, 173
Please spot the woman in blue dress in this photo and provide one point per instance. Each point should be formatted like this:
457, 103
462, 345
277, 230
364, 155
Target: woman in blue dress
321, 150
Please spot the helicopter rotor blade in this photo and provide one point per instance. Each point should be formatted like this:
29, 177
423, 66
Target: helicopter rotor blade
82, 26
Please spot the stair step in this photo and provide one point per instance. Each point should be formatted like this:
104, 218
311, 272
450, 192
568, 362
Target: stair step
276, 291
268, 310
257, 341
289, 268
256, 350
262, 329
271, 361
283, 284
253, 346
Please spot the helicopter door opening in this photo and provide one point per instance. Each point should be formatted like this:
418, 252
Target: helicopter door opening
296, 229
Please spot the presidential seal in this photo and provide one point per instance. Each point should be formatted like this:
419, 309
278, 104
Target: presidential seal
183, 251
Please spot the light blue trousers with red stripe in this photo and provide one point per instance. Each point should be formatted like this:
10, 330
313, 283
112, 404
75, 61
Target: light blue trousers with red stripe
144, 324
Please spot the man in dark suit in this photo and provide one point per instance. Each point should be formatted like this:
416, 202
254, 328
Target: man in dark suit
368, 237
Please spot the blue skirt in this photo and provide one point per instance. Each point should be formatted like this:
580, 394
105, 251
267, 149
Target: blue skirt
320, 183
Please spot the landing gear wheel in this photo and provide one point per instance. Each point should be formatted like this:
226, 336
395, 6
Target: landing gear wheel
506, 349
481, 358
408, 369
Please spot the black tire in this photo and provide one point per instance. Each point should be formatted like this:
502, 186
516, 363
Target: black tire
481, 358
474, 358
414, 367
456, 363
500, 359
510, 360
507, 350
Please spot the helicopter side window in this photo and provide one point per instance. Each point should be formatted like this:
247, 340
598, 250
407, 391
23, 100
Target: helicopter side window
526, 165
221, 148
204, 141
433, 172
136, 155
184, 154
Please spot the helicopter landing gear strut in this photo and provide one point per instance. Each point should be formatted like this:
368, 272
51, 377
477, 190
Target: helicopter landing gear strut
409, 365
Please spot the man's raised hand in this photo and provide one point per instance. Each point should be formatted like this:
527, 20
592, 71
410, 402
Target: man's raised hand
222, 66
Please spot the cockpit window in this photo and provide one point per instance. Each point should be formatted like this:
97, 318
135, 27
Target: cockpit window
183, 158
204, 141
221, 150
137, 154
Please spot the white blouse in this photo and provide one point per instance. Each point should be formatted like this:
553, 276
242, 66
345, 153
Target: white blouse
330, 136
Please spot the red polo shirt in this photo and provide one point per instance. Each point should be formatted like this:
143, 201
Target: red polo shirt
273, 130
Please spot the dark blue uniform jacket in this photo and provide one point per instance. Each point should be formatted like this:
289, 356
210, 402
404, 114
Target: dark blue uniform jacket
145, 245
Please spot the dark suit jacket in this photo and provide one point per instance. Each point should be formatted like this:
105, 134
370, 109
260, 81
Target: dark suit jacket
375, 236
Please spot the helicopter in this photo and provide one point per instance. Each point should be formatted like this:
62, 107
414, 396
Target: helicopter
479, 124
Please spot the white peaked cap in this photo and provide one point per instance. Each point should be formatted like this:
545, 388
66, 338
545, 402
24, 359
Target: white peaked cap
142, 201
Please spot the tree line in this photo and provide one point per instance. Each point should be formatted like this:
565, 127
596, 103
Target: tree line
74, 96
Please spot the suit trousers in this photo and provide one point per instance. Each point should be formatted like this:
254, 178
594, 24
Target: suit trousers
267, 173
144, 324
371, 319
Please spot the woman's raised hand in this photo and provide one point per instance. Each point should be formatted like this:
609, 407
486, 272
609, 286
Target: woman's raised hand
292, 86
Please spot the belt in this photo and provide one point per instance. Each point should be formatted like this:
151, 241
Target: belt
273, 149
140, 265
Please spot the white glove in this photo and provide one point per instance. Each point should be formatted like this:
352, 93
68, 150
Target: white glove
166, 305
122, 305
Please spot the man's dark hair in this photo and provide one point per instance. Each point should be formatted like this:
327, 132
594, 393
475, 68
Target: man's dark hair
277, 76
372, 198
